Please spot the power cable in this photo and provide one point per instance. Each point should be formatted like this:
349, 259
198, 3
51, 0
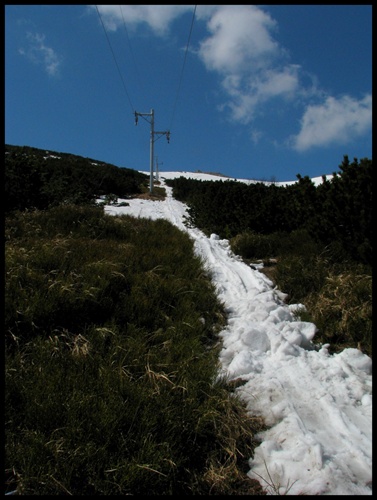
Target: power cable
116, 63
182, 71
131, 51
183, 68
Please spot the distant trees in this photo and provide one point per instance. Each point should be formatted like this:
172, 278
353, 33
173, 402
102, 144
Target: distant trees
35, 178
337, 212
346, 209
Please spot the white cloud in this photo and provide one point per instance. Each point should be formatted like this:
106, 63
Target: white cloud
247, 94
157, 17
239, 39
278, 82
256, 136
254, 68
39, 53
334, 121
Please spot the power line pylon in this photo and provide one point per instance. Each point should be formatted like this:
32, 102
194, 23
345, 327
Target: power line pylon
152, 141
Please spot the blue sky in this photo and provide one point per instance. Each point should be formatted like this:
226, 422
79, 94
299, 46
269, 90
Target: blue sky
263, 92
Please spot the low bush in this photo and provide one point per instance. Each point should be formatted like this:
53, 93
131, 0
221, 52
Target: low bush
252, 245
299, 276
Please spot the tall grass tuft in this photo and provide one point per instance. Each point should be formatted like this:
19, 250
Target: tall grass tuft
342, 310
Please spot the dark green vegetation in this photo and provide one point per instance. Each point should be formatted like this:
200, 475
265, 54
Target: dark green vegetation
320, 236
111, 349
337, 212
111, 361
35, 178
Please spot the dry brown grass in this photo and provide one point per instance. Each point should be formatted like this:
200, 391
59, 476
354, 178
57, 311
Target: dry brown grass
158, 194
343, 310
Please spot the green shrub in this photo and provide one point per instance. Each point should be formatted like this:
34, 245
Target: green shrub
252, 245
299, 276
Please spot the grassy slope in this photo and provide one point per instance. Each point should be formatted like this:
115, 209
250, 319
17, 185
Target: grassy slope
112, 361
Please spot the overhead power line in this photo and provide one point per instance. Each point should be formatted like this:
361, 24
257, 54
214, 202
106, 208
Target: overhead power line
132, 52
150, 115
116, 63
182, 71
183, 68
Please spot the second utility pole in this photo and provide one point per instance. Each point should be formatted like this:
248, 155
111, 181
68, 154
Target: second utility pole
152, 140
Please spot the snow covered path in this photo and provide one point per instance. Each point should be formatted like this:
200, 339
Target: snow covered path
318, 406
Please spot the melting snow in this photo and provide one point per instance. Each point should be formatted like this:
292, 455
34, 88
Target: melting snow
318, 406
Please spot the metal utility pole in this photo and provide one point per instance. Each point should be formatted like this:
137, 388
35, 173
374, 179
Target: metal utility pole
152, 141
